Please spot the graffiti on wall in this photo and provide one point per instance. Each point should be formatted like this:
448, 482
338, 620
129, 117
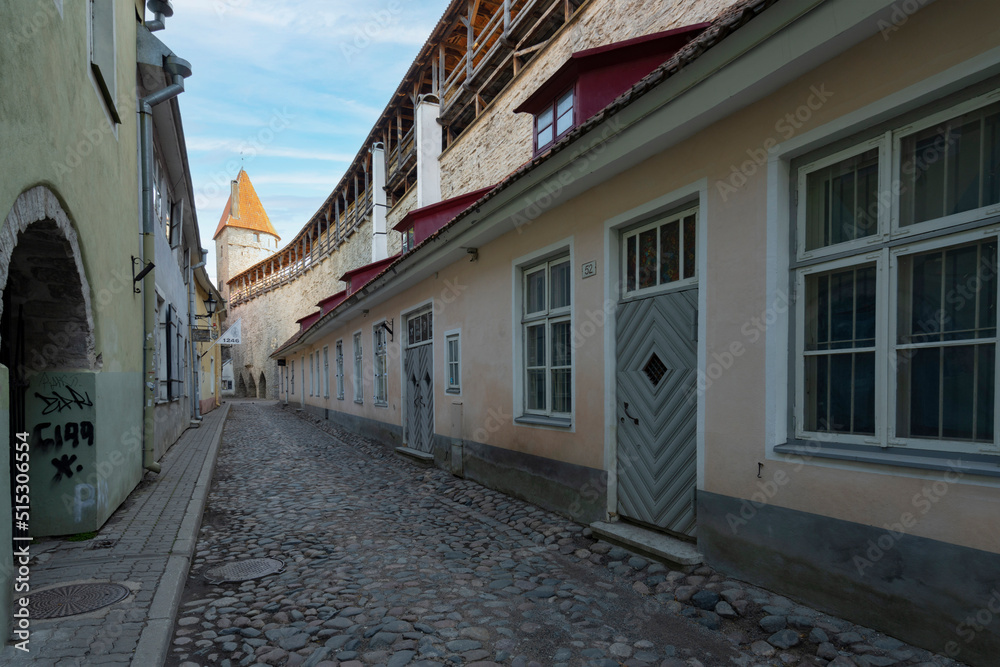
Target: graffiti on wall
64, 422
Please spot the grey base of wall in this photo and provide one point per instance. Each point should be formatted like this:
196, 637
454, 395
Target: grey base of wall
939, 596
574, 491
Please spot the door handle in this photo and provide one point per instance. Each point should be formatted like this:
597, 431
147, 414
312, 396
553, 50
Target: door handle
630, 416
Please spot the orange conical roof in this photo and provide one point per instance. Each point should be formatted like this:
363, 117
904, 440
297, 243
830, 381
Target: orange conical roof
249, 213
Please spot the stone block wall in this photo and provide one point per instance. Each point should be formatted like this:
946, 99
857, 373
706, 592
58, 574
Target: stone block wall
500, 141
270, 319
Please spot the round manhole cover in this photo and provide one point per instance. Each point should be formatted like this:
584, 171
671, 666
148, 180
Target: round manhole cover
244, 570
74, 599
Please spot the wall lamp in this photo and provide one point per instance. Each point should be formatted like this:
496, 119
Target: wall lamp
210, 304
387, 326
136, 277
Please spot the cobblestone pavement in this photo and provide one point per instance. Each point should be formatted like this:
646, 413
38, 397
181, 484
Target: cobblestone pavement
388, 563
145, 546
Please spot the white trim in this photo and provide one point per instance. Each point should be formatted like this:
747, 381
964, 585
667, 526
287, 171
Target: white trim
882, 144
326, 371
696, 192
448, 334
551, 251
779, 248
418, 308
339, 368
89, 9
901, 133
661, 288
358, 384
385, 347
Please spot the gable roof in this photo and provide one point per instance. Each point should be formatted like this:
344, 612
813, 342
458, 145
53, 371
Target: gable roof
250, 212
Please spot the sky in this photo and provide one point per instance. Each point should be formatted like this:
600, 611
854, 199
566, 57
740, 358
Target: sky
290, 90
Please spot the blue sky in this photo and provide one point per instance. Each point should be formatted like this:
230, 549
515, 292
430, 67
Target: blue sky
295, 85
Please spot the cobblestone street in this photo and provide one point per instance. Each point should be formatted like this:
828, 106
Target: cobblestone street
388, 563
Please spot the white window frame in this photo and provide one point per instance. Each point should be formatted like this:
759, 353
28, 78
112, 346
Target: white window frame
340, 369
326, 371
292, 374
524, 266
937, 234
102, 56
359, 366
312, 376
681, 283
380, 381
456, 336
930, 121
550, 111
882, 144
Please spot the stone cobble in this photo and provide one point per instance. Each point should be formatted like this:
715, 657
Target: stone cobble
391, 564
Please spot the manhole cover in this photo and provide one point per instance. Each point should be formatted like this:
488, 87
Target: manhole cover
74, 599
244, 570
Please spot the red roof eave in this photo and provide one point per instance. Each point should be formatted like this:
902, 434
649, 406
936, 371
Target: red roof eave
609, 54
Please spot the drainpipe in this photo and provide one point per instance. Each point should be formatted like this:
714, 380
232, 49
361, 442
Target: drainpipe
179, 69
195, 359
162, 10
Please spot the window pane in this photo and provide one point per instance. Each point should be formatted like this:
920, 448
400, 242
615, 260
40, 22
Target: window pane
985, 392
543, 123
923, 385
864, 392
561, 348
840, 393
565, 103
647, 258
564, 113
948, 294
631, 255
842, 201
690, 247
562, 399
991, 159
536, 292
950, 168
535, 342
560, 286
536, 389
840, 309
670, 246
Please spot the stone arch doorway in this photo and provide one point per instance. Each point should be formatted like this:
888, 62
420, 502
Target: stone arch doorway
262, 386
251, 386
47, 349
241, 387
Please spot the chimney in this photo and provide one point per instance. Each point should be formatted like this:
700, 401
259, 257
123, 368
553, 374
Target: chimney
234, 209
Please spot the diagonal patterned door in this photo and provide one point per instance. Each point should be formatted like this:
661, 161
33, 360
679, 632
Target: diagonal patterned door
419, 371
657, 410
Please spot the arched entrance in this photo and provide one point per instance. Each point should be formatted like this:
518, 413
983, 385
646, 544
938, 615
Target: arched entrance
241, 387
262, 386
47, 347
251, 386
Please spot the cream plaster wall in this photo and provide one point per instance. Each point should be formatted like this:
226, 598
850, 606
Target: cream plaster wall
735, 287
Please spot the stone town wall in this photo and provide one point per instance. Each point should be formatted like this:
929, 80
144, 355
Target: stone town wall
500, 141
270, 319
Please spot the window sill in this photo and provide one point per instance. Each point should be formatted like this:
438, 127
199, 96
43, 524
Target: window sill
359, 402
380, 405
542, 420
456, 392
986, 465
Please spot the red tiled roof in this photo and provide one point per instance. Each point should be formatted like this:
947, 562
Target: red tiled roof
251, 212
